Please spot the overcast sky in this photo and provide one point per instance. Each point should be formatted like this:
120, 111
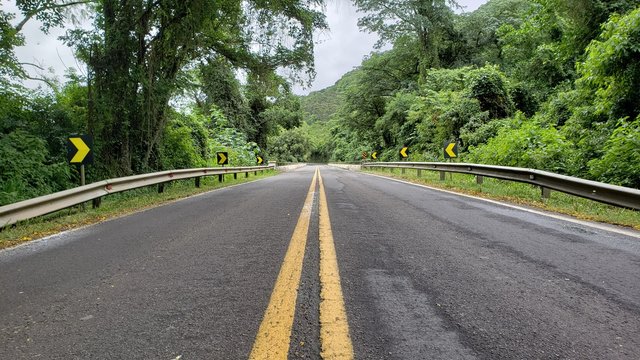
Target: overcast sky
337, 51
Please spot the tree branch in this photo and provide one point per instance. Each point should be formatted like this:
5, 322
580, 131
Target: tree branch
51, 84
32, 64
35, 12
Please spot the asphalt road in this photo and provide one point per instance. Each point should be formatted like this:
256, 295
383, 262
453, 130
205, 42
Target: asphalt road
424, 275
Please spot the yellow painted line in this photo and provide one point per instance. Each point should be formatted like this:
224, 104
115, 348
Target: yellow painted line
335, 341
274, 334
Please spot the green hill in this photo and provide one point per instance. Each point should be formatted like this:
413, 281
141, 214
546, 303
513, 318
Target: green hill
320, 105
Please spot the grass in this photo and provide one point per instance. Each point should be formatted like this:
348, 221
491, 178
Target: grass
521, 194
114, 206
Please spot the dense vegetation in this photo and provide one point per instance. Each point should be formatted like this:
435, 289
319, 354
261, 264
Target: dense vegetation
161, 88
547, 84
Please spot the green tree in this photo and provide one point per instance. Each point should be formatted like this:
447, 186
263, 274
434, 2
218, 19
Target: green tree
184, 144
272, 106
139, 48
217, 86
551, 37
34, 127
290, 146
479, 29
611, 70
366, 90
430, 22
606, 94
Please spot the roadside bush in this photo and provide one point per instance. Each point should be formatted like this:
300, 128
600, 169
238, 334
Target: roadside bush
525, 143
290, 146
184, 143
26, 171
624, 143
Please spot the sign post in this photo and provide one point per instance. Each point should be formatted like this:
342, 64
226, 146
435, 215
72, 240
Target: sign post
222, 158
450, 152
79, 153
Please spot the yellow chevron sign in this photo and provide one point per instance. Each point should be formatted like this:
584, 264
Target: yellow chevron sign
403, 152
451, 150
374, 155
259, 159
223, 158
79, 149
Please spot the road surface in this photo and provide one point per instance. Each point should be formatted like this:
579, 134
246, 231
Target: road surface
324, 263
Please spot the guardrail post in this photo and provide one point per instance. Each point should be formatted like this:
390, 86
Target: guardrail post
546, 192
160, 188
419, 172
402, 171
198, 182
246, 174
255, 173
442, 175
96, 202
235, 176
220, 178
479, 179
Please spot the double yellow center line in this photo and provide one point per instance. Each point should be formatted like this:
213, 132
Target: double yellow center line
274, 334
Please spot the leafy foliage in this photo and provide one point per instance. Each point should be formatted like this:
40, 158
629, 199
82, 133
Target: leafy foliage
479, 30
26, 169
621, 161
290, 146
612, 68
430, 22
525, 143
33, 132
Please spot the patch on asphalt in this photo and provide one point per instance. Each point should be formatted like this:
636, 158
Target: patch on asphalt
414, 328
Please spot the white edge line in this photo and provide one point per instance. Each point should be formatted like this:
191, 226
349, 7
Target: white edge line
611, 228
60, 234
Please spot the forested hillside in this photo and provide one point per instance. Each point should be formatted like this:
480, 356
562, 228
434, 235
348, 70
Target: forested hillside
546, 84
320, 105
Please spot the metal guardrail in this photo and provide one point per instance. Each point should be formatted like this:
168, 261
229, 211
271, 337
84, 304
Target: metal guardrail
606, 193
27, 209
